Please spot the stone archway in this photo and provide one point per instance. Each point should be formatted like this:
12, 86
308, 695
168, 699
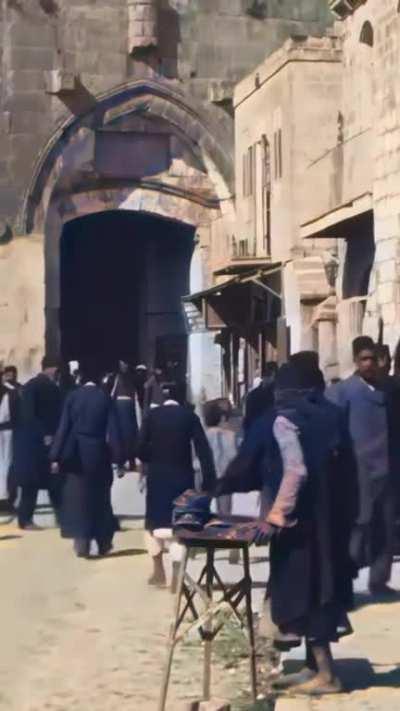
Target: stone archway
72, 180
73, 144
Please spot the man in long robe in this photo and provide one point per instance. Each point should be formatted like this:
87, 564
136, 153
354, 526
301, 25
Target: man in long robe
165, 446
308, 519
86, 444
364, 403
40, 412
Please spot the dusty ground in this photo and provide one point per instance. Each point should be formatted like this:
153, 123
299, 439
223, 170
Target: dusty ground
80, 635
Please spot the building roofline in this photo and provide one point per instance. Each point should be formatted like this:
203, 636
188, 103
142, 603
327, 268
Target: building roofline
298, 48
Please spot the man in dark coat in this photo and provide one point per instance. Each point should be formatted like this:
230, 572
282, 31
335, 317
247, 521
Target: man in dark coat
122, 388
391, 386
365, 405
87, 441
40, 412
165, 446
308, 521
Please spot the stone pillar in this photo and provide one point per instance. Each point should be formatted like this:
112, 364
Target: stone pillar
143, 25
351, 314
328, 349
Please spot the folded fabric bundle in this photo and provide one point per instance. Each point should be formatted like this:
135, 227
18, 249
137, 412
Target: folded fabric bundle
191, 511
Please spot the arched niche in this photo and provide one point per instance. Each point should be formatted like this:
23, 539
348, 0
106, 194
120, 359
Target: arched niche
367, 34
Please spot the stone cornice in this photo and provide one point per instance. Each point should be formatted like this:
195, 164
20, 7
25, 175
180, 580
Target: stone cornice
344, 8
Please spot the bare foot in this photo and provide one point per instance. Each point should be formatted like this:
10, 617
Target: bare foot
286, 681
317, 686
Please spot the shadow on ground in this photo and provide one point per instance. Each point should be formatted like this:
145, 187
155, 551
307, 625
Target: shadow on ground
359, 674
9, 538
127, 553
366, 600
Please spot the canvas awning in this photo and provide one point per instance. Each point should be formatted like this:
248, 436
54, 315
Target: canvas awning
329, 225
232, 302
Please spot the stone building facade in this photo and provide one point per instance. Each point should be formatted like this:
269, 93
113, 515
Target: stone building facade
354, 185
122, 105
283, 123
321, 117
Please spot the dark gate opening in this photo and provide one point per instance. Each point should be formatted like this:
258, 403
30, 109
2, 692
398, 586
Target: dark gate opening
122, 278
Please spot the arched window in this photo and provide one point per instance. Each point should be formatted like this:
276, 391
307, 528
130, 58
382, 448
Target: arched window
367, 34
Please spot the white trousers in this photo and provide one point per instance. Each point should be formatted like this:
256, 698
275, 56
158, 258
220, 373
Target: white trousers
5, 461
162, 540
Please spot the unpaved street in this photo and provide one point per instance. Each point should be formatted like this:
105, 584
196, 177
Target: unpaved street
82, 635
79, 635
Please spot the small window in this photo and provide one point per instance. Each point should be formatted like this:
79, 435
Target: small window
367, 34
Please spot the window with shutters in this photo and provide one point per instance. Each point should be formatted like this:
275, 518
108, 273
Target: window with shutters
248, 172
278, 159
266, 193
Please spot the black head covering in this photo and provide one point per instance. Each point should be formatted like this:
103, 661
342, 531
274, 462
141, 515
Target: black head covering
307, 366
50, 362
305, 358
300, 374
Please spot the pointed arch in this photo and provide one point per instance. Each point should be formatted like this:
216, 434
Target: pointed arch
148, 96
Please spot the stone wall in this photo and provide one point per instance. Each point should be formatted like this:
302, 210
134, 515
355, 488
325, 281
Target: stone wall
199, 43
376, 104
67, 67
22, 303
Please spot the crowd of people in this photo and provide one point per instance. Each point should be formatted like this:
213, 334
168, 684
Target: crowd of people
325, 458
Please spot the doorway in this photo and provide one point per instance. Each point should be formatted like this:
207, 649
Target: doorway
122, 278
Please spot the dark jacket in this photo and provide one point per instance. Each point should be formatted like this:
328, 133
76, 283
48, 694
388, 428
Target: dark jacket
88, 438
40, 407
258, 402
165, 445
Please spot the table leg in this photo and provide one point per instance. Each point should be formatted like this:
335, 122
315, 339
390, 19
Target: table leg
250, 622
173, 631
208, 627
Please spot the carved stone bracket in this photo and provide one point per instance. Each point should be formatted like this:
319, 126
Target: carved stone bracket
143, 25
59, 81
